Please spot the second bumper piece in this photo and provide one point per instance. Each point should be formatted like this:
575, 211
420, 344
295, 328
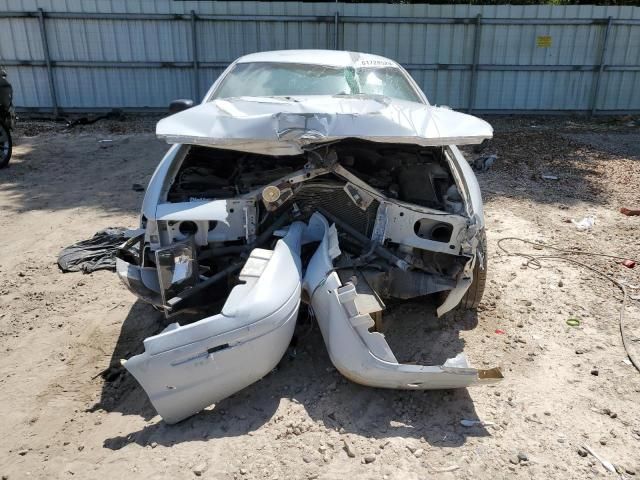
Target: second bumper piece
360, 355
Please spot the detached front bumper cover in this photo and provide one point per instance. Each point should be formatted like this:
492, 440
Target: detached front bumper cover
186, 368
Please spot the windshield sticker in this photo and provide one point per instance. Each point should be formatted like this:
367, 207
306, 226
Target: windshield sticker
375, 63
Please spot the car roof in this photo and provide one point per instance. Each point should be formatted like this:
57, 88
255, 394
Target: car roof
333, 58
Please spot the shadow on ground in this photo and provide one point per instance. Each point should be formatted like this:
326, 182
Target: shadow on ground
307, 376
57, 171
570, 155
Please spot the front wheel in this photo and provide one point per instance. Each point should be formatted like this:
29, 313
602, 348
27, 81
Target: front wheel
5, 145
473, 296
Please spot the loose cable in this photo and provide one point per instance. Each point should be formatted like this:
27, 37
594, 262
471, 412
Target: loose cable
533, 261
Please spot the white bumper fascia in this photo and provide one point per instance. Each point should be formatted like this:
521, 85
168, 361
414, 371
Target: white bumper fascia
360, 355
187, 368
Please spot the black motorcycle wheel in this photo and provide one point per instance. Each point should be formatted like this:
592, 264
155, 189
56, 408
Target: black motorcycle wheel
6, 146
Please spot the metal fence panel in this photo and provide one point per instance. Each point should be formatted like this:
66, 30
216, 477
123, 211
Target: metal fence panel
511, 58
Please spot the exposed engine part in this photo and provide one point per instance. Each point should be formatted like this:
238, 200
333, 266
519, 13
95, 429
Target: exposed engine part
217, 173
345, 181
409, 173
332, 197
423, 184
271, 194
379, 249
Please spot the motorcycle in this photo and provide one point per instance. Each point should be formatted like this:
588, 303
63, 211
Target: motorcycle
7, 118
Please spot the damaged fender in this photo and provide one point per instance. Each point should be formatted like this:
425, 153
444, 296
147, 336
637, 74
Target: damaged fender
360, 355
186, 368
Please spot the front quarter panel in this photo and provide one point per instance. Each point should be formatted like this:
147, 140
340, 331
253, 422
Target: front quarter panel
154, 192
469, 183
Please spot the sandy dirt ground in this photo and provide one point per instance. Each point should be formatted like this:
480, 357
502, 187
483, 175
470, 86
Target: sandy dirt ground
69, 411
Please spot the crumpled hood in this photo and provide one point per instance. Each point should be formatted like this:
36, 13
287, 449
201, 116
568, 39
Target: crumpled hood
283, 126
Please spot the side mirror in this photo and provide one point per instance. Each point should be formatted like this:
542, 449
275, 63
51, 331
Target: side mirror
180, 105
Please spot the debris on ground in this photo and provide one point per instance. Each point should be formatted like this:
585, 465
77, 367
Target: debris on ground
629, 212
605, 463
474, 423
348, 447
114, 114
483, 164
585, 224
96, 253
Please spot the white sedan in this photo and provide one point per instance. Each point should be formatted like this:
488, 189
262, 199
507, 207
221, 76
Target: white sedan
317, 176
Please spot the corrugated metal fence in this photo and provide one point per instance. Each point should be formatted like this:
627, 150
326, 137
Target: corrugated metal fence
96, 54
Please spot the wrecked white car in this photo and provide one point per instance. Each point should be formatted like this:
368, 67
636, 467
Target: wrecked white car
317, 176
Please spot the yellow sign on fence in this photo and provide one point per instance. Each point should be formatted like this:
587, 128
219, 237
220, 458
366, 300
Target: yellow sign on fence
543, 41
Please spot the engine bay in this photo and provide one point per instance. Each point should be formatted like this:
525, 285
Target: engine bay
399, 215
412, 174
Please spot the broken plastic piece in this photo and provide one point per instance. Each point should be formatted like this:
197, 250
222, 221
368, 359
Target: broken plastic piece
186, 368
359, 354
585, 224
605, 463
474, 423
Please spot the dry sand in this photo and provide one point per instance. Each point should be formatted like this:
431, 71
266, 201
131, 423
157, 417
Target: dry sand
58, 332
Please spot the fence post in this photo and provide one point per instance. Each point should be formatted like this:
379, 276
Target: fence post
47, 60
336, 36
603, 56
474, 66
194, 47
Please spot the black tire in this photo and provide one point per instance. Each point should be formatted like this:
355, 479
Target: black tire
6, 146
473, 296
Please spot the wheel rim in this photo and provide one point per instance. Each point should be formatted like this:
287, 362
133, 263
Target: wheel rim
4, 142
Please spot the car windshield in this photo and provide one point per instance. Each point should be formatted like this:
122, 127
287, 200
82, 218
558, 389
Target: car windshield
265, 79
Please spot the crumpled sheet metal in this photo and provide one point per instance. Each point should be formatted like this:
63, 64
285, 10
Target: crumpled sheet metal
283, 126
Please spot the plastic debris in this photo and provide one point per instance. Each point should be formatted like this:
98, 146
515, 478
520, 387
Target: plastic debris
585, 224
474, 423
605, 463
629, 263
500, 331
96, 253
549, 177
573, 322
483, 164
